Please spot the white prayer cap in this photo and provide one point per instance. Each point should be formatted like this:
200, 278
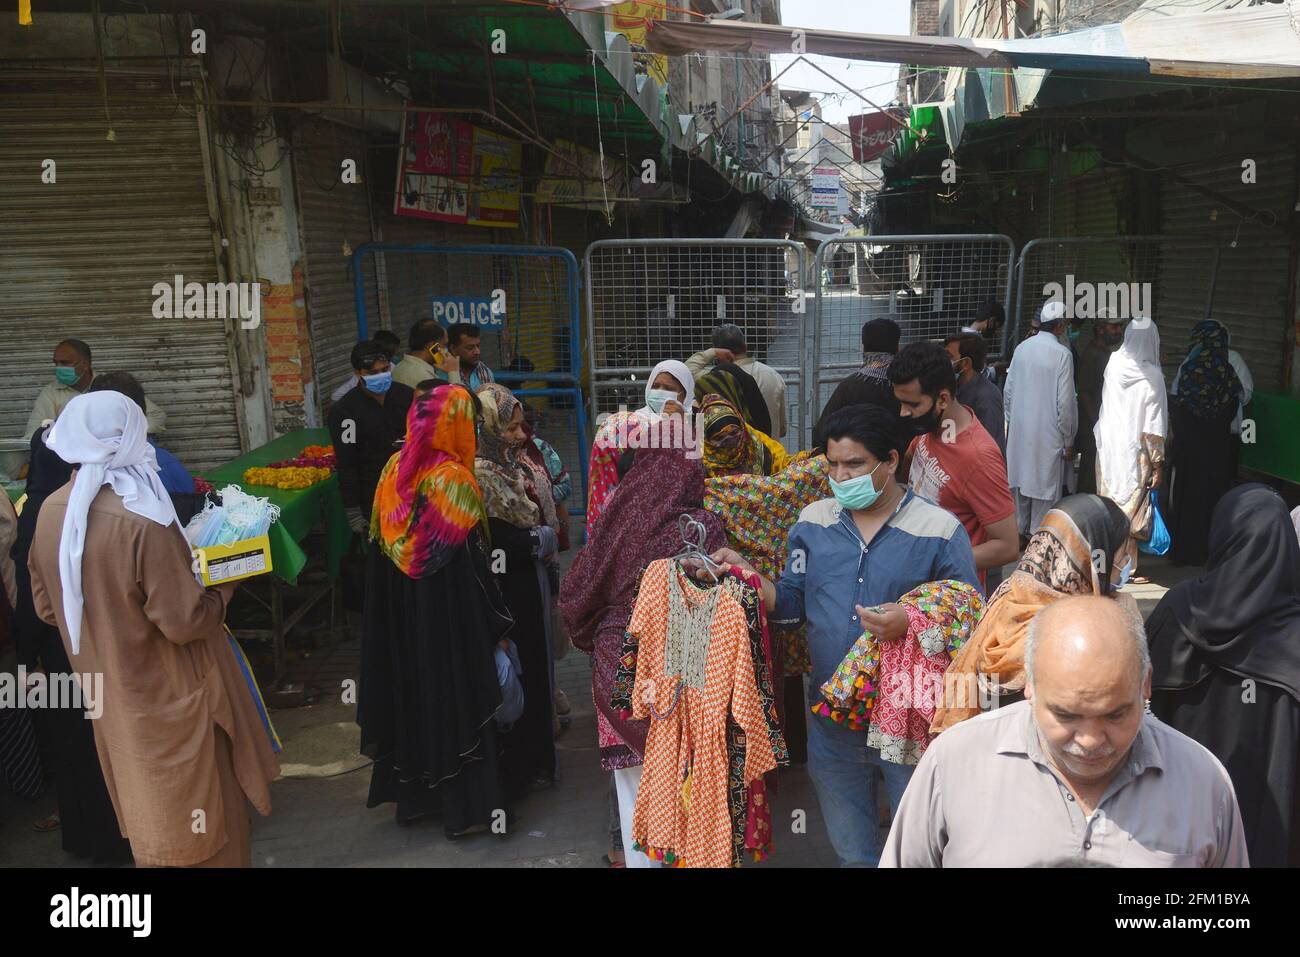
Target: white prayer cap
1052, 313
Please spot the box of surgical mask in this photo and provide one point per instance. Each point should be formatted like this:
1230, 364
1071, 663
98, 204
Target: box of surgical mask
219, 564
230, 541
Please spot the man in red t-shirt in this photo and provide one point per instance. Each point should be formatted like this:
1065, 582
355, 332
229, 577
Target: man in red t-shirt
954, 462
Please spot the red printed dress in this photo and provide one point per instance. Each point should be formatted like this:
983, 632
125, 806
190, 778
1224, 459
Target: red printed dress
693, 677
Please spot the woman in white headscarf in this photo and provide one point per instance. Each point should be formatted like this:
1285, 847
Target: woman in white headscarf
179, 735
1133, 425
669, 391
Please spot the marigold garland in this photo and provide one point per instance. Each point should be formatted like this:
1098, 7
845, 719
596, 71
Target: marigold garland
286, 478
313, 464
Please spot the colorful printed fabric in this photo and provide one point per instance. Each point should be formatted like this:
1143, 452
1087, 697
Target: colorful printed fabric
1207, 384
729, 448
740, 389
1060, 560
682, 808
427, 501
602, 470
751, 829
749, 807
640, 524
758, 514
893, 688
561, 484
850, 694
504, 475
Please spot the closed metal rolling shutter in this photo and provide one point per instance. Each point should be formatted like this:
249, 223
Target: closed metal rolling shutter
568, 228
1250, 295
335, 220
79, 257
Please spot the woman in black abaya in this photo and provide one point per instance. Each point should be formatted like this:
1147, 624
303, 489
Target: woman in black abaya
523, 530
1203, 460
433, 620
1225, 652
87, 819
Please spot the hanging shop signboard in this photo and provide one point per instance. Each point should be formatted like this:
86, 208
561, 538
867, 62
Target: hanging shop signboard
872, 134
632, 18
454, 172
573, 177
825, 187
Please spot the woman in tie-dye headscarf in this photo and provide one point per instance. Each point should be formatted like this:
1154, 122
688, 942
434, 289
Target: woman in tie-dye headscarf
433, 622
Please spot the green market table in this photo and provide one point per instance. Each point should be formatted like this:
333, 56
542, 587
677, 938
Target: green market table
301, 511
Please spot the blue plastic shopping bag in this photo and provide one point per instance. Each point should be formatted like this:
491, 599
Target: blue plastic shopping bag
1159, 542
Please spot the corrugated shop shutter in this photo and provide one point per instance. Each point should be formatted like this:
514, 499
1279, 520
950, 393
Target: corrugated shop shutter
79, 257
1250, 293
335, 220
567, 228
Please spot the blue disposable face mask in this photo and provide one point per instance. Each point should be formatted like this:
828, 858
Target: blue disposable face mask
379, 382
1125, 572
856, 493
1074, 334
66, 375
658, 398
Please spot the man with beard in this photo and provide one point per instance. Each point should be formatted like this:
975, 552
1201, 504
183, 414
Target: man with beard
954, 461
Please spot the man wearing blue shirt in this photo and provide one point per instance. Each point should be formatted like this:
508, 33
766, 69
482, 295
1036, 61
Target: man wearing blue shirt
851, 558
174, 477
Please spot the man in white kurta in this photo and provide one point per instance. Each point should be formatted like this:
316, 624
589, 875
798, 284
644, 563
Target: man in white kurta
1042, 415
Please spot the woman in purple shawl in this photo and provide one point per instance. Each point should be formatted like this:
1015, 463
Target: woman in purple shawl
639, 526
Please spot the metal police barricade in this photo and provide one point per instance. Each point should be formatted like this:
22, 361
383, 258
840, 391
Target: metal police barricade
1168, 278
655, 299
930, 284
524, 300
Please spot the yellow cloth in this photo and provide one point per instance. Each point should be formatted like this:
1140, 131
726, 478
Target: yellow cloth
24, 13
780, 457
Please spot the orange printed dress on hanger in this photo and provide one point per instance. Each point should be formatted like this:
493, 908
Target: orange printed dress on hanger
681, 814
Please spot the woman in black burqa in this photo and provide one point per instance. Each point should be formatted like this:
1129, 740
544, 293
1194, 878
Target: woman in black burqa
1225, 652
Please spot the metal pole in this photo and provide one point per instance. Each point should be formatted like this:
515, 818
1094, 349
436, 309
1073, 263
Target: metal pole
1214, 278
1012, 332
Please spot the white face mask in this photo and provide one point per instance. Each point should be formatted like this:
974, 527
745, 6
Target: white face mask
658, 398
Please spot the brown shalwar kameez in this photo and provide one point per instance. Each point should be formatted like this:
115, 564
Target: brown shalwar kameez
179, 732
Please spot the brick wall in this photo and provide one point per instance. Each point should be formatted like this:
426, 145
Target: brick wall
288, 348
929, 86
1077, 14
925, 18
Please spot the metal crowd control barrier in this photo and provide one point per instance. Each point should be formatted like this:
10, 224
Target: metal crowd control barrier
1164, 275
930, 284
525, 301
655, 299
